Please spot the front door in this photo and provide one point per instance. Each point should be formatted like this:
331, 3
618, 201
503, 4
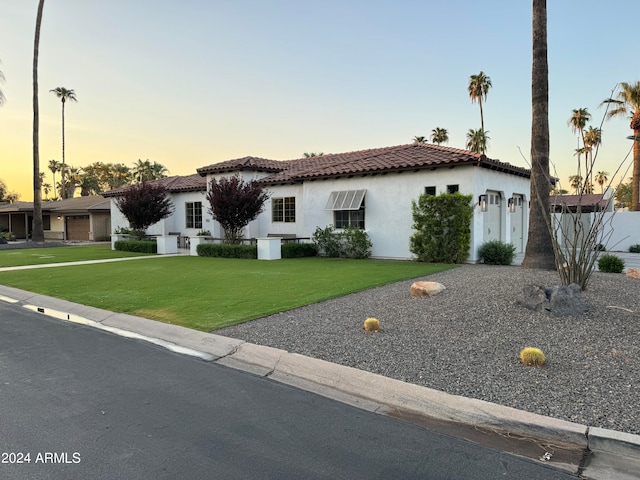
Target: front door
517, 224
492, 217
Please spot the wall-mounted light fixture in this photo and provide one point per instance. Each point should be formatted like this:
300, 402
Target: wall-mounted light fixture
482, 203
59, 217
512, 202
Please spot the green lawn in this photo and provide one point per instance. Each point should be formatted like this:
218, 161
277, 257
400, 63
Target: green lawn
37, 256
209, 293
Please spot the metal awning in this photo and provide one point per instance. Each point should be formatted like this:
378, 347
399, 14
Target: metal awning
345, 200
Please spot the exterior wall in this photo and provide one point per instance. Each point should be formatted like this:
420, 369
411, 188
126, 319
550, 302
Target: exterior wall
623, 227
100, 227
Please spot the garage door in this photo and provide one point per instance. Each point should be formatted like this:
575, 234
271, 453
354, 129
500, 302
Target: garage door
78, 227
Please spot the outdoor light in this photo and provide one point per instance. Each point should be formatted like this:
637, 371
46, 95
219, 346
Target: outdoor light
482, 202
512, 205
59, 217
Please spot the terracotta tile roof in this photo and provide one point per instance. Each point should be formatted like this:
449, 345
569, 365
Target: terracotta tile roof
177, 183
244, 163
401, 157
76, 204
587, 200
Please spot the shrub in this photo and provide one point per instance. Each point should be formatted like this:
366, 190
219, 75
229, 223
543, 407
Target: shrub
356, 243
227, 250
140, 246
298, 250
610, 264
350, 243
7, 235
203, 233
634, 248
328, 242
371, 325
496, 252
532, 357
442, 227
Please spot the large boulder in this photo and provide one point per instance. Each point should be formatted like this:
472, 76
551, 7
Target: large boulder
633, 273
426, 289
560, 301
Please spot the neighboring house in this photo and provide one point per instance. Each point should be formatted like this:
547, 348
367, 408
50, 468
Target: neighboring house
369, 189
79, 218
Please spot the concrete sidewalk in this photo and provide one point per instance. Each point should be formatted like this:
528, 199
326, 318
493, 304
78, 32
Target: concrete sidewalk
587, 451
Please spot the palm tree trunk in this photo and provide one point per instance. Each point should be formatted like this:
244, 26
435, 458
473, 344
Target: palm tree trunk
481, 115
38, 232
539, 252
635, 179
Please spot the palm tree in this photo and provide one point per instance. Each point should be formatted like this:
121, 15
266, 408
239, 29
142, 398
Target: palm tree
628, 104
37, 235
601, 179
419, 140
479, 86
477, 140
539, 252
575, 181
592, 139
439, 135
312, 154
577, 122
54, 166
46, 187
64, 94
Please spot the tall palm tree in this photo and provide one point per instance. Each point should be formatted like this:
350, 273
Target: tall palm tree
64, 94
478, 88
419, 140
627, 104
477, 140
46, 187
539, 252
577, 122
592, 139
37, 235
439, 135
312, 154
602, 178
54, 166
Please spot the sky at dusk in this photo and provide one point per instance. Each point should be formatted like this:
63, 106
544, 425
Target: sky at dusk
193, 82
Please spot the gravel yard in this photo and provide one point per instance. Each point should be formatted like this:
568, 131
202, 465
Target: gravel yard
466, 341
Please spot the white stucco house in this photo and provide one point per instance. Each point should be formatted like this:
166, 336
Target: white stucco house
370, 189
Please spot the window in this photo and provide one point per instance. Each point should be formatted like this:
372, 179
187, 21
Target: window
194, 214
283, 209
453, 188
430, 191
46, 222
348, 208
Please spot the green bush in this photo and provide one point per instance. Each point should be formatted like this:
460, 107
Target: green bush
298, 250
610, 264
442, 227
496, 252
7, 235
634, 248
350, 243
140, 246
225, 250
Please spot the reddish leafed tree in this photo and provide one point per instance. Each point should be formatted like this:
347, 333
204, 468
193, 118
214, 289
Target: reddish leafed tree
144, 204
234, 203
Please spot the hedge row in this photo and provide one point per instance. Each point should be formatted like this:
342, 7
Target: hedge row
288, 250
140, 246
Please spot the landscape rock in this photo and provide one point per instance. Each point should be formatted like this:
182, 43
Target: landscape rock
633, 273
426, 289
3, 240
560, 300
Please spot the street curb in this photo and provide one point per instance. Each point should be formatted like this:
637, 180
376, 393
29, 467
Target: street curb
362, 389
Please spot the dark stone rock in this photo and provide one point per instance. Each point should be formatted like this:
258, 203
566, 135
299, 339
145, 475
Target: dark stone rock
561, 300
3, 241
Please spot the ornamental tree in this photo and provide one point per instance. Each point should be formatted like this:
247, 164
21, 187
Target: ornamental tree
144, 204
234, 203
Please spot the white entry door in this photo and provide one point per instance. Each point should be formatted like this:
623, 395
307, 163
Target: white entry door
517, 224
492, 217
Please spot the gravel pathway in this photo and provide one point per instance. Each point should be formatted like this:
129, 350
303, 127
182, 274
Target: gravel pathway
466, 341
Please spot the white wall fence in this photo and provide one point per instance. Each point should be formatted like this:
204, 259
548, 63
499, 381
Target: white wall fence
621, 228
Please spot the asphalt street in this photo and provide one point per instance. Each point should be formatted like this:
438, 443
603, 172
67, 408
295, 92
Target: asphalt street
84, 403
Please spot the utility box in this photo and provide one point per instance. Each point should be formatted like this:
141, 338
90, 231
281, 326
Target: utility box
269, 248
